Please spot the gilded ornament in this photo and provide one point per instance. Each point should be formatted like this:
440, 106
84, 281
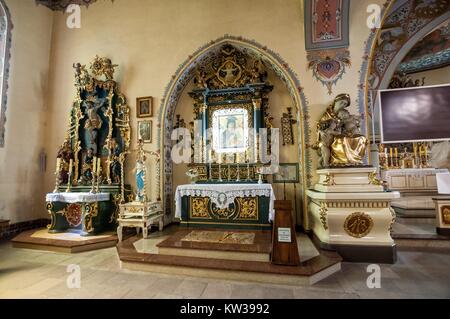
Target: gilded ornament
323, 211
373, 179
358, 224
339, 142
445, 215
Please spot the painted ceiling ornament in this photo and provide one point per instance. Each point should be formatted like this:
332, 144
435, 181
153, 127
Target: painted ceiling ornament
400, 26
327, 39
61, 5
430, 8
328, 66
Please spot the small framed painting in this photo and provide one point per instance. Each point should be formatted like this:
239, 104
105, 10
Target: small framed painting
144, 106
288, 173
145, 131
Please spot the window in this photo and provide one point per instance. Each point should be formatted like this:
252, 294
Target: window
5, 45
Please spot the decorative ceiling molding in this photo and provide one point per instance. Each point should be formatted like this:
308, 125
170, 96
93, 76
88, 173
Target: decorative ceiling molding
432, 52
61, 5
400, 27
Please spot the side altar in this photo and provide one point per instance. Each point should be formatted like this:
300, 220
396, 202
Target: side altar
89, 172
350, 209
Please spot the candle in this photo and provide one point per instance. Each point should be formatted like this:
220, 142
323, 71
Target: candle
396, 152
415, 150
94, 163
99, 165
58, 164
220, 158
425, 149
70, 166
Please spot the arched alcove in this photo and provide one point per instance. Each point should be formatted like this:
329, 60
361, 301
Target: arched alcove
406, 23
184, 75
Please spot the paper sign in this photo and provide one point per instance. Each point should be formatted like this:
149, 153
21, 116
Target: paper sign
284, 235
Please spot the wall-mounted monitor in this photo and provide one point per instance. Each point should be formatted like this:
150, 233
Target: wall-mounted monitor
415, 114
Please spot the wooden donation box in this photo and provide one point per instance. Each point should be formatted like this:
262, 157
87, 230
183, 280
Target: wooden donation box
140, 215
284, 239
237, 206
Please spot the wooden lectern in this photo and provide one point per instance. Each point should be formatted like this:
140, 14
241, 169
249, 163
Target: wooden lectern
284, 239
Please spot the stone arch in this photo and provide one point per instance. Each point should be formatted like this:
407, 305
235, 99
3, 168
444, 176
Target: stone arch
374, 78
5, 34
185, 73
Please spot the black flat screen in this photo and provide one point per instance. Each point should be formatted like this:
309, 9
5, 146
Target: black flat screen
416, 114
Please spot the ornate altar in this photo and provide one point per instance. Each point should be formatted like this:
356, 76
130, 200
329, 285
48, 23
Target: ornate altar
231, 140
231, 107
91, 159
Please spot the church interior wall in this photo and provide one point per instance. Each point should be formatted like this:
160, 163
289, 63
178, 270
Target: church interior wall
27, 115
149, 40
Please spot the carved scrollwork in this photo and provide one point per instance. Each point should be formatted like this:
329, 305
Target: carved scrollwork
230, 70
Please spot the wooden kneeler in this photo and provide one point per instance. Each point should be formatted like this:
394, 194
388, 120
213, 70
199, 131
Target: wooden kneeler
284, 239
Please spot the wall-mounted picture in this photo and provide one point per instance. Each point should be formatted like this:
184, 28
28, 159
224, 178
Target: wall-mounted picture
145, 131
288, 173
144, 106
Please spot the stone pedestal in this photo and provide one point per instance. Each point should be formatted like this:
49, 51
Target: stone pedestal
352, 214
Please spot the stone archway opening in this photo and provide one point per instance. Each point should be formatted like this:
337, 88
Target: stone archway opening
185, 74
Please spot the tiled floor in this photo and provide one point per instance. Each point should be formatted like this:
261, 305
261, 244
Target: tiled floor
418, 226
37, 274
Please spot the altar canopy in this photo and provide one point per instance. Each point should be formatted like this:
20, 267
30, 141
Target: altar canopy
224, 204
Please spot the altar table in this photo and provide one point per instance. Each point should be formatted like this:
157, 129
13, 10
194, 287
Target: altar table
246, 206
411, 179
88, 211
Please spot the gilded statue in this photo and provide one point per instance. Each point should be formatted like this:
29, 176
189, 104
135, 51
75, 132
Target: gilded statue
87, 170
93, 122
65, 154
339, 142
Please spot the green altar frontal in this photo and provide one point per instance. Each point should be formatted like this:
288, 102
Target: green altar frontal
243, 213
90, 217
225, 205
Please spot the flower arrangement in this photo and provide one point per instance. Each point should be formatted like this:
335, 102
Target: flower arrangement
192, 173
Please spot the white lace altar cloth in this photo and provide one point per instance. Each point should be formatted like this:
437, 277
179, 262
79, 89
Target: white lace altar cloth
222, 195
77, 197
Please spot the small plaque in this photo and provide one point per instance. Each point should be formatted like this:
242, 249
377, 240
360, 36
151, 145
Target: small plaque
284, 235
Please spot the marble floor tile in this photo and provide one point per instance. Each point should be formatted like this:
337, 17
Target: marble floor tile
27, 273
190, 288
217, 291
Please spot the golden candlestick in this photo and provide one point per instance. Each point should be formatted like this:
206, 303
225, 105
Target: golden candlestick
69, 176
57, 173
